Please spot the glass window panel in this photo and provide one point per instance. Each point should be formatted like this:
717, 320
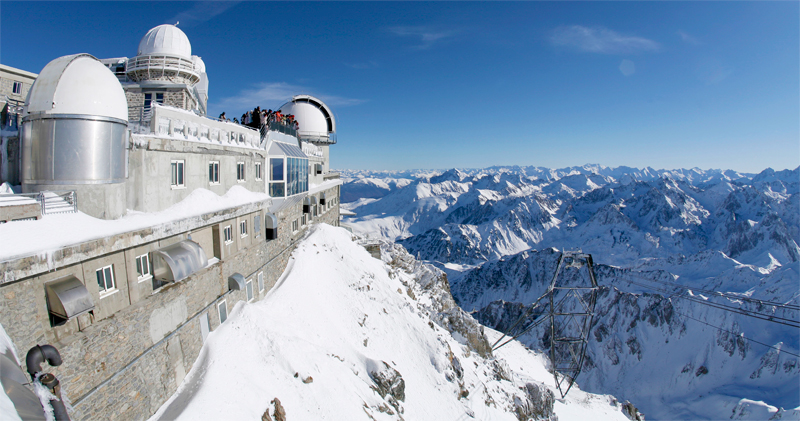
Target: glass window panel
109, 278
100, 281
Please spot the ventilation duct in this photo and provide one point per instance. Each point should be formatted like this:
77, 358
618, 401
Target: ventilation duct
322, 198
176, 262
271, 223
308, 202
236, 282
67, 297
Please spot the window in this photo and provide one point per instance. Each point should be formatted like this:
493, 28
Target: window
213, 172
148, 99
257, 226
294, 225
143, 267
240, 171
17, 89
243, 228
223, 311
248, 286
314, 211
296, 176
277, 187
303, 220
258, 171
260, 281
105, 279
227, 234
177, 174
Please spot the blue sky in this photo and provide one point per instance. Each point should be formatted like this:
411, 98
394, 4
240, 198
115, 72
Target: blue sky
451, 84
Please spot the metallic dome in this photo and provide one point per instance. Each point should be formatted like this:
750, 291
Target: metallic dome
165, 40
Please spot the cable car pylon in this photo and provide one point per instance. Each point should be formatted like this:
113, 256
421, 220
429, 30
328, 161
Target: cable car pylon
570, 309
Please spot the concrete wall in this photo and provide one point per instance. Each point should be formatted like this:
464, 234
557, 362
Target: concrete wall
149, 186
127, 357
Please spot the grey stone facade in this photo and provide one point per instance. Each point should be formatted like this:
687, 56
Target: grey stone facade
127, 357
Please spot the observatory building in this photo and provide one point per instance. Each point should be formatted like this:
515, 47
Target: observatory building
193, 215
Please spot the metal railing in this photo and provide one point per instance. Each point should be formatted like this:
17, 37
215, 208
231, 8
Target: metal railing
162, 63
52, 202
58, 202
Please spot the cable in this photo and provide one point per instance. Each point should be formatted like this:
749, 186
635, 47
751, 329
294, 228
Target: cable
728, 295
749, 313
735, 334
756, 315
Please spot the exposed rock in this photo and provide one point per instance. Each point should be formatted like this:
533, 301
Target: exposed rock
537, 403
279, 413
388, 381
631, 412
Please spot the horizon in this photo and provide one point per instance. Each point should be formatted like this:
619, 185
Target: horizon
474, 85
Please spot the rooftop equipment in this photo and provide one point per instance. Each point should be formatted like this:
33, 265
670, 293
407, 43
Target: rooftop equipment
176, 262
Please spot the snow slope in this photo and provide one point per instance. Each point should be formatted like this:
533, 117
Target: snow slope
344, 336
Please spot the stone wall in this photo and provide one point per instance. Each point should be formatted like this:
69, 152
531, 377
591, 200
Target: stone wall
124, 359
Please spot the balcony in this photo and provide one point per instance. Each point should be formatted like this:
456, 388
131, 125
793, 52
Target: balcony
162, 67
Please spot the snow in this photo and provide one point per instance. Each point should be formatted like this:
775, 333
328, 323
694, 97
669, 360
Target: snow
52, 232
7, 410
335, 315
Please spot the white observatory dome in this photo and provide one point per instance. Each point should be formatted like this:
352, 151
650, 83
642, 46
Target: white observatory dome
199, 64
165, 40
77, 84
315, 118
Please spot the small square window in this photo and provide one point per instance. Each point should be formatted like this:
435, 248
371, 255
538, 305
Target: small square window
143, 267
223, 311
248, 286
227, 234
17, 89
258, 171
243, 228
177, 173
261, 282
105, 279
240, 172
213, 172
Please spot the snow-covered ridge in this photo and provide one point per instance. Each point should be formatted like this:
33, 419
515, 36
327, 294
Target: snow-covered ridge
348, 337
708, 230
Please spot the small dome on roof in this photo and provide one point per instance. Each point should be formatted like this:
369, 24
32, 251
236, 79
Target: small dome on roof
315, 118
77, 84
199, 64
166, 40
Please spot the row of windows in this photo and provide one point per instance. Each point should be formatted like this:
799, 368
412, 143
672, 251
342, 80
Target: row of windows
178, 168
106, 281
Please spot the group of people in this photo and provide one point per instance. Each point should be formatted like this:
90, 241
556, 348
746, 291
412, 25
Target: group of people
258, 117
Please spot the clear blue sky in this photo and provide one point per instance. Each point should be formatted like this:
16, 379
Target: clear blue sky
449, 84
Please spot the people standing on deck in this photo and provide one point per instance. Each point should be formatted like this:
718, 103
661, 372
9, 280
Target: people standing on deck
222, 117
257, 117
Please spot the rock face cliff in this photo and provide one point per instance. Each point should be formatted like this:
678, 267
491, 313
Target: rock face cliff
665, 245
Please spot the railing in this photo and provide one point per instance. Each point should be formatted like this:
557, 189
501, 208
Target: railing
52, 202
58, 202
331, 175
161, 63
315, 137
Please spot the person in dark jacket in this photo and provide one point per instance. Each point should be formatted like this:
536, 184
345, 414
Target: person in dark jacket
257, 117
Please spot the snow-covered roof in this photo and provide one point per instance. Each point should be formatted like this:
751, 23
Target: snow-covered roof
165, 40
77, 84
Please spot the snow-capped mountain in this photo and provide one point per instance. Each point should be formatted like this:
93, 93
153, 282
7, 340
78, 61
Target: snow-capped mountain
658, 237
